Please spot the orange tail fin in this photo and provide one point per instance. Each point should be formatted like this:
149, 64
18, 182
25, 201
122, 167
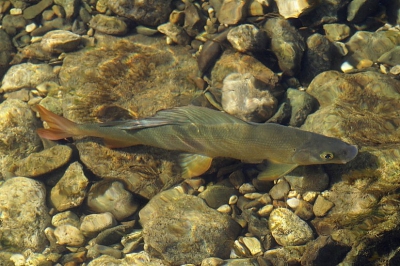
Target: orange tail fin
60, 127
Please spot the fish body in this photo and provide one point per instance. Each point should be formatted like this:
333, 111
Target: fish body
204, 134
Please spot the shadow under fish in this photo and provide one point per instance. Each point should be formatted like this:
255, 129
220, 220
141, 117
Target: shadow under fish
202, 134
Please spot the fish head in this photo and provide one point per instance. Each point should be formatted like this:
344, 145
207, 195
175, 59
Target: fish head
324, 150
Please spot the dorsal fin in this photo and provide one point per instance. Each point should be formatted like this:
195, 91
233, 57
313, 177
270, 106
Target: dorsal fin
178, 115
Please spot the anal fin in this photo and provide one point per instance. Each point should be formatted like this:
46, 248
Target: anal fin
272, 171
194, 164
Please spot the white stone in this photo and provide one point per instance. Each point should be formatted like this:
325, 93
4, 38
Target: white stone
293, 203
15, 11
294, 8
69, 235
30, 27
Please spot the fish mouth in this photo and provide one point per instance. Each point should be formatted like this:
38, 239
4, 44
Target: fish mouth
351, 153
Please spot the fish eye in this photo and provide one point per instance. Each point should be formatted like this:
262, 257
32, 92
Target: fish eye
327, 156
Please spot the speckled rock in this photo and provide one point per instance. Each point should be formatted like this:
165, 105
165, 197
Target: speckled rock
42, 162
175, 32
111, 197
109, 25
336, 32
245, 97
322, 206
286, 43
66, 217
391, 57
5, 52
288, 229
27, 75
247, 38
231, 62
301, 103
60, 41
18, 137
182, 229
317, 58
294, 8
24, 215
94, 223
70, 190
148, 12
367, 47
69, 235
70, 7
232, 11
308, 178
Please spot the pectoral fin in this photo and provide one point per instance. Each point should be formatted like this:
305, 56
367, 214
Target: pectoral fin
272, 171
194, 164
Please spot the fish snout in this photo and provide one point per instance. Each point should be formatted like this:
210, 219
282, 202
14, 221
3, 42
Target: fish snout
350, 153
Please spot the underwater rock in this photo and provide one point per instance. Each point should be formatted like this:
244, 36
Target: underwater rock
280, 190
175, 32
107, 196
34, 10
308, 178
27, 75
366, 47
324, 251
24, 215
69, 235
232, 11
247, 38
218, 194
70, 190
301, 103
108, 25
317, 58
66, 217
391, 58
322, 206
6, 49
60, 41
146, 12
336, 32
18, 137
181, 228
70, 7
288, 229
42, 162
286, 43
94, 223
358, 10
246, 98
294, 8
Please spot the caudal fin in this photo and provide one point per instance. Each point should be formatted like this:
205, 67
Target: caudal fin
59, 127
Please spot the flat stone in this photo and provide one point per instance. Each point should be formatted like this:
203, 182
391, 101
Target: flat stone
232, 11
280, 190
294, 8
109, 25
308, 178
322, 206
70, 6
60, 41
34, 10
69, 235
43, 162
336, 32
94, 223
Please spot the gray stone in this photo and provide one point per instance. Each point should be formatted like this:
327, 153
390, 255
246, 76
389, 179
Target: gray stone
217, 195
60, 41
286, 43
5, 52
42, 162
288, 229
280, 190
13, 23
358, 10
336, 32
392, 57
247, 38
304, 210
70, 190
245, 97
18, 137
308, 178
181, 229
34, 10
94, 223
112, 197
24, 215
27, 75
147, 12
70, 7
109, 25
175, 32
302, 104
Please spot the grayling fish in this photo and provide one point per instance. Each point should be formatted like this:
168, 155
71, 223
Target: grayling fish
204, 134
